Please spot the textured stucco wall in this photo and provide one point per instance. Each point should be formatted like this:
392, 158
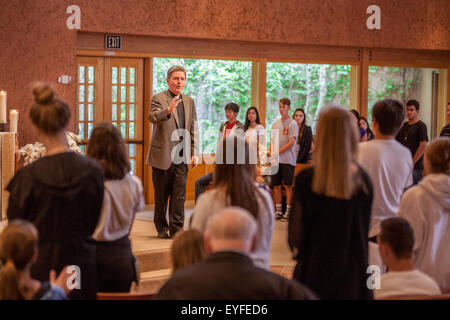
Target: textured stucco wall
36, 45
405, 23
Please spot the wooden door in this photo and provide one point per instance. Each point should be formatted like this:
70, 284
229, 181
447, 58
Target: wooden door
111, 89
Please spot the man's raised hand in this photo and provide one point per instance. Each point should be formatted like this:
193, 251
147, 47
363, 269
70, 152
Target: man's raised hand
174, 104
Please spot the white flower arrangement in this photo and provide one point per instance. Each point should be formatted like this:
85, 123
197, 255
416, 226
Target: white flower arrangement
33, 152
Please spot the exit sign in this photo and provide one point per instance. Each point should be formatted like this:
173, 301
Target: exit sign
113, 41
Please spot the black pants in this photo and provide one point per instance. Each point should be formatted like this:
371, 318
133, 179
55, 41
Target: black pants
169, 183
417, 175
201, 183
55, 255
115, 267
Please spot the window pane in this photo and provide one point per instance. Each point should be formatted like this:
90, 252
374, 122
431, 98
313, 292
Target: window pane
91, 112
81, 112
115, 123
91, 74
212, 84
132, 110
312, 87
132, 92
404, 84
91, 97
133, 165
131, 130
90, 127
114, 75
131, 150
132, 75
123, 94
81, 130
114, 94
114, 112
123, 129
83, 149
123, 75
81, 74
123, 112
81, 93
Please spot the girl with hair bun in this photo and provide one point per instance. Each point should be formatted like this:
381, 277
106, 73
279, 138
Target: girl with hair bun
61, 194
18, 251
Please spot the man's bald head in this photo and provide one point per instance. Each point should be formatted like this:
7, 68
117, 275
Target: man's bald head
231, 228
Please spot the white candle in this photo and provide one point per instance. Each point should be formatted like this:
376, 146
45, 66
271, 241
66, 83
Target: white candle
2, 107
13, 118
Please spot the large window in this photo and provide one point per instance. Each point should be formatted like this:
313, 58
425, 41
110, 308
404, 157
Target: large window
308, 86
212, 84
404, 84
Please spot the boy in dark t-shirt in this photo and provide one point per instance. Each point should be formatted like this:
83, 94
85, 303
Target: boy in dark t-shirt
414, 136
445, 132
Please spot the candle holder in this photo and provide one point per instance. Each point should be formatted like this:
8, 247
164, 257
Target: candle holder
2, 127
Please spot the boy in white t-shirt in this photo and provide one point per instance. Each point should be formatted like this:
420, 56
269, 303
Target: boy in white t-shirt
285, 132
386, 161
396, 241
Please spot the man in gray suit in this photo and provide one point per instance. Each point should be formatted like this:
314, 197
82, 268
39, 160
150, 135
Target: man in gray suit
173, 146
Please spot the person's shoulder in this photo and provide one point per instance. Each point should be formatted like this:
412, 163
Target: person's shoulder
264, 191
411, 193
87, 161
23, 173
136, 180
85, 166
292, 287
425, 278
276, 123
401, 150
293, 123
207, 198
161, 95
366, 146
421, 124
186, 97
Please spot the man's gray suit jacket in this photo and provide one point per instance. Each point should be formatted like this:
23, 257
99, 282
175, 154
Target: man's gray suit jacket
164, 126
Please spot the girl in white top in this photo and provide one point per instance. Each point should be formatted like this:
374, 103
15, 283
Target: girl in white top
234, 185
123, 198
427, 208
255, 134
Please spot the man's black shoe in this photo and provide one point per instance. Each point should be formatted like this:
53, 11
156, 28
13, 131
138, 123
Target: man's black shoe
163, 235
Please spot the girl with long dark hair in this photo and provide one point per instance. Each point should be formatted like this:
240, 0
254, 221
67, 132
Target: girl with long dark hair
123, 198
234, 185
304, 141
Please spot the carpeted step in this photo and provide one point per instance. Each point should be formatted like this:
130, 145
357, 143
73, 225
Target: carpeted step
152, 260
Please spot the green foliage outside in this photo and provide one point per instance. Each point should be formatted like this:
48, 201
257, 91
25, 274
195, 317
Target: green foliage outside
392, 82
212, 84
308, 86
